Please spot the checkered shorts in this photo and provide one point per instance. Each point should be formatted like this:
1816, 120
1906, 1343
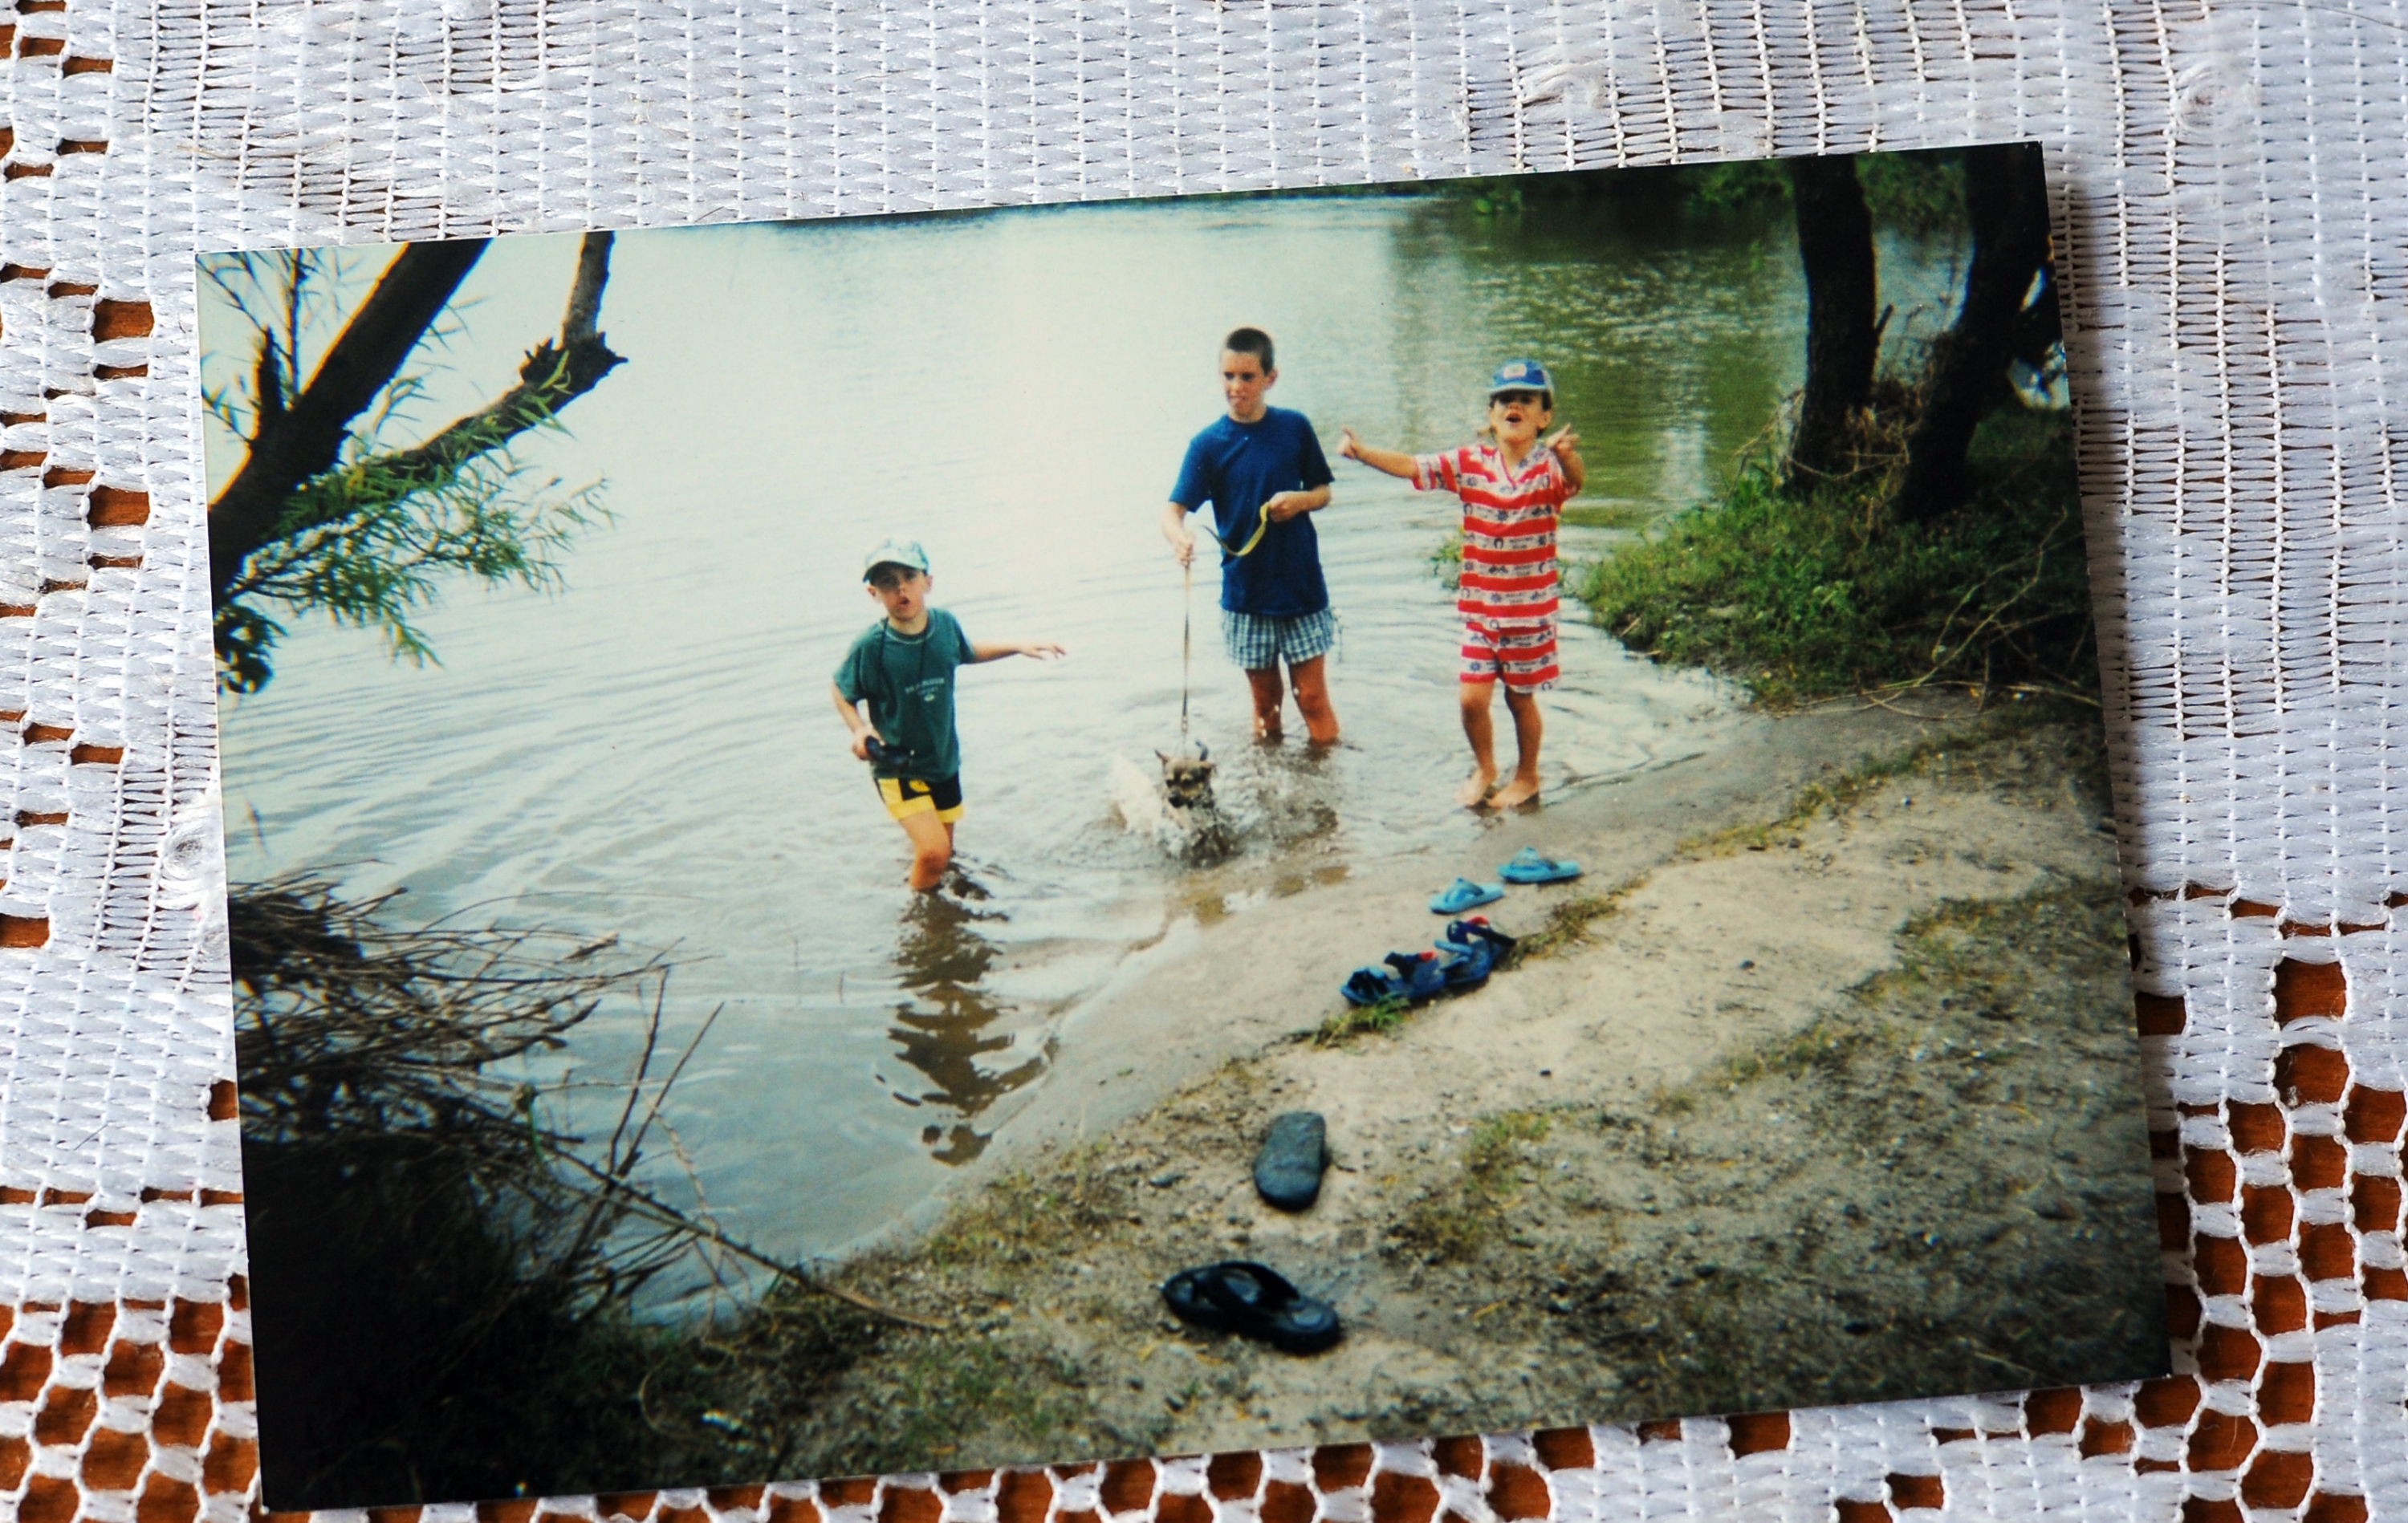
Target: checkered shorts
1523, 654
1257, 642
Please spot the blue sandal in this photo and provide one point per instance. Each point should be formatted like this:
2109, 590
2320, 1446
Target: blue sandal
1465, 967
1530, 866
1463, 895
1422, 974
1372, 985
1475, 928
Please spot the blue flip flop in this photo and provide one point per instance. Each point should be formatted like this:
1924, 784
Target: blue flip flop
1530, 866
1463, 895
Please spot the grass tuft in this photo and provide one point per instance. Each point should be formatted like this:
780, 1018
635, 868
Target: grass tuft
1382, 1019
1459, 1220
1568, 920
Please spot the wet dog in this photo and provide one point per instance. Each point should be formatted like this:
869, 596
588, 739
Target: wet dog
1179, 810
1187, 783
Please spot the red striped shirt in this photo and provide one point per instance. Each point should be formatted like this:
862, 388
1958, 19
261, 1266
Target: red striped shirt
1510, 575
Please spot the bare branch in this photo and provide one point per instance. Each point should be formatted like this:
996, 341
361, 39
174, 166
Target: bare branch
554, 374
305, 440
257, 507
585, 296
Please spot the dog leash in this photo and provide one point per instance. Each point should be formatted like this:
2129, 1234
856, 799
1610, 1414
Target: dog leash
1262, 522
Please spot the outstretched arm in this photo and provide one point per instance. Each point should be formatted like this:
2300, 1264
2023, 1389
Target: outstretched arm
1394, 462
1041, 649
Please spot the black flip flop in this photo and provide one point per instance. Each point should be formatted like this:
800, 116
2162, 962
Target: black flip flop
1288, 1172
1253, 1301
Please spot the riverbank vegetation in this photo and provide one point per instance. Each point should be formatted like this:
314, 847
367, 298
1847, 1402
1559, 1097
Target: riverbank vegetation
328, 514
1800, 595
1913, 530
443, 1273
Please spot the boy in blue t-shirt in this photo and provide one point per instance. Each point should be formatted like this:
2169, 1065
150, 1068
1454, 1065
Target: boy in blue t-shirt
1262, 470
902, 668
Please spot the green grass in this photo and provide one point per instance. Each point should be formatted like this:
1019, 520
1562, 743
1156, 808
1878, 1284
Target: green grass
1360, 1020
1806, 595
948, 1391
1461, 1217
1995, 732
1021, 1220
1570, 919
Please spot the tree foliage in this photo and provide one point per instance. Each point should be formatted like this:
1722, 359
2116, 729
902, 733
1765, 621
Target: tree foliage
328, 512
1919, 194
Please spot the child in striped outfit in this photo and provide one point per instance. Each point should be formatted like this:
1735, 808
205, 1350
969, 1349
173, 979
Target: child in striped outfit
1512, 490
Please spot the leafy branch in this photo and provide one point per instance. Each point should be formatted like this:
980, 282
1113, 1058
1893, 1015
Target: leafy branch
320, 515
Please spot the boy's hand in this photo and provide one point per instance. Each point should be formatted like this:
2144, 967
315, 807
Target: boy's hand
861, 739
1349, 447
1182, 548
1041, 649
1287, 505
1565, 442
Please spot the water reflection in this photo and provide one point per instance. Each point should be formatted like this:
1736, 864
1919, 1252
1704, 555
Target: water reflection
944, 1029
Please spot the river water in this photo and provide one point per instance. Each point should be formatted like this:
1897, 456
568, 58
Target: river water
650, 750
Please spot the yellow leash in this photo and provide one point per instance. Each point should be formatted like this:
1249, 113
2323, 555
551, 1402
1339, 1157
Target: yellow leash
1262, 522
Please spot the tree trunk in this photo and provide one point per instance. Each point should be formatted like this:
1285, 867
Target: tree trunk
2006, 203
292, 448
1834, 244
292, 445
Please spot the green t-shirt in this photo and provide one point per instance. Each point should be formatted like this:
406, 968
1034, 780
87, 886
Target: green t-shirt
908, 681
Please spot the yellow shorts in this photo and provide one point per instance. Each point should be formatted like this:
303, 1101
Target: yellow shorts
908, 796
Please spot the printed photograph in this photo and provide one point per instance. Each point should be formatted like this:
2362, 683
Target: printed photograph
924, 842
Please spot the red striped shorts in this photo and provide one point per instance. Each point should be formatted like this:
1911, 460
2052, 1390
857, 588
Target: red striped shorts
1523, 654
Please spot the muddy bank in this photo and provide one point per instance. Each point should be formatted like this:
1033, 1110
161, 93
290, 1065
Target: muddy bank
1822, 1087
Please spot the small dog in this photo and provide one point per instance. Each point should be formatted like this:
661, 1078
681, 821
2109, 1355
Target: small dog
1179, 812
1187, 784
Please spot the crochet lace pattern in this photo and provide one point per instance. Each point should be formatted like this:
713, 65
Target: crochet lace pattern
2229, 187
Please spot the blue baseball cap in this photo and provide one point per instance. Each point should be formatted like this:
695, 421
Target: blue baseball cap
1521, 376
906, 553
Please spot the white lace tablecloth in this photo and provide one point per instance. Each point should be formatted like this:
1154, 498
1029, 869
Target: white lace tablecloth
2232, 188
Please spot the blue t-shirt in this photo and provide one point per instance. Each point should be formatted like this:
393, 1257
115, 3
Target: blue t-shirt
907, 680
1237, 467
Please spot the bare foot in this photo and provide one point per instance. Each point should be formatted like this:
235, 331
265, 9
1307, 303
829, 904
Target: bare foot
1476, 788
1519, 791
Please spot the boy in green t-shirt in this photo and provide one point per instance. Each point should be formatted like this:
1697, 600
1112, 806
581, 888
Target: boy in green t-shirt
902, 668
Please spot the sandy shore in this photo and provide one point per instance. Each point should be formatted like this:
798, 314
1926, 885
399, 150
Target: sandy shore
1824, 1089
1248, 980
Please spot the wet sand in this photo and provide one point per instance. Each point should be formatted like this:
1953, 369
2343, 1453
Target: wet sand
1820, 1105
1271, 971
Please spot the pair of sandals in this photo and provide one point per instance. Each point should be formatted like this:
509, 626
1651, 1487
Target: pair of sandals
1530, 865
1461, 962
